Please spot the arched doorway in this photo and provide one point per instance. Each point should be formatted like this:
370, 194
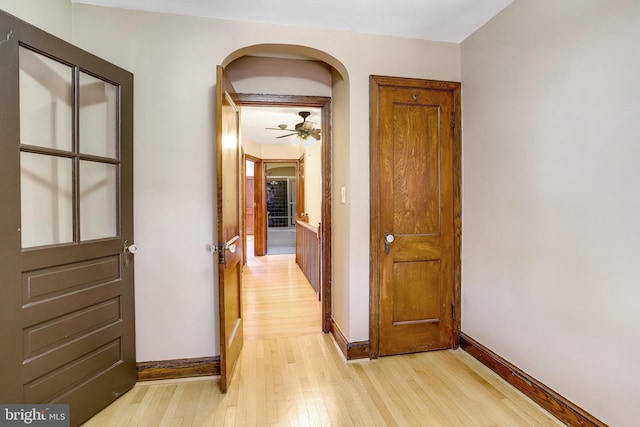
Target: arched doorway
301, 98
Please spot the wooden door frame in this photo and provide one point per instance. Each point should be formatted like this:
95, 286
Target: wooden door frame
259, 248
324, 103
375, 83
265, 225
260, 209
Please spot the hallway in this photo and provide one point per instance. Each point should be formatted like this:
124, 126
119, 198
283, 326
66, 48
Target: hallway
278, 299
281, 240
291, 374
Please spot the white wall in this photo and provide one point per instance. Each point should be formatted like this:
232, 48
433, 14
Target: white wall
551, 99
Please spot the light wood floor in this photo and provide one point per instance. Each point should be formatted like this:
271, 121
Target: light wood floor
291, 374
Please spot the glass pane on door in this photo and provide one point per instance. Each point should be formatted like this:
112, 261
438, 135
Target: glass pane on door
98, 117
46, 100
46, 192
98, 200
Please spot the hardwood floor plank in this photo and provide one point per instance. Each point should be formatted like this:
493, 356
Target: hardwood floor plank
170, 409
292, 374
158, 402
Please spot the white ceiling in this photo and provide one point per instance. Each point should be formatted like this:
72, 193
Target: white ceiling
438, 20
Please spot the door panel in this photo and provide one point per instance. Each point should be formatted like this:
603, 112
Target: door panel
414, 168
67, 308
229, 226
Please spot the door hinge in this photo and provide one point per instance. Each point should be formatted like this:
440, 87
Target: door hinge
453, 119
221, 254
8, 37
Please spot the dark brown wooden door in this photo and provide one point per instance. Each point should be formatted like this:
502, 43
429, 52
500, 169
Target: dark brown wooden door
415, 233
229, 226
66, 176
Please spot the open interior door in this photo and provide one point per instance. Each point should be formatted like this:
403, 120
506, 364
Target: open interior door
66, 224
229, 226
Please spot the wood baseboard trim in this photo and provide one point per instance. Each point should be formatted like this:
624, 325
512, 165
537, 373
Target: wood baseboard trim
552, 402
178, 368
350, 350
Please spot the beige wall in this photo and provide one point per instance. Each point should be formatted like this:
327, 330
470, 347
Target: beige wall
313, 182
282, 76
53, 16
340, 211
271, 151
551, 99
173, 59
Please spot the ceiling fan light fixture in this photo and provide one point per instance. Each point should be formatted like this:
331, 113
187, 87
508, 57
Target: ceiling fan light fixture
303, 130
303, 140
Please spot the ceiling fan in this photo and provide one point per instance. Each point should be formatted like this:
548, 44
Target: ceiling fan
303, 130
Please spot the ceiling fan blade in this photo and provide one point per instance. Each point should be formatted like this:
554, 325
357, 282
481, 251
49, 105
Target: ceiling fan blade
284, 136
285, 129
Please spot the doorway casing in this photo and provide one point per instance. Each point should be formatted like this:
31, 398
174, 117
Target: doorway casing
454, 88
324, 103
